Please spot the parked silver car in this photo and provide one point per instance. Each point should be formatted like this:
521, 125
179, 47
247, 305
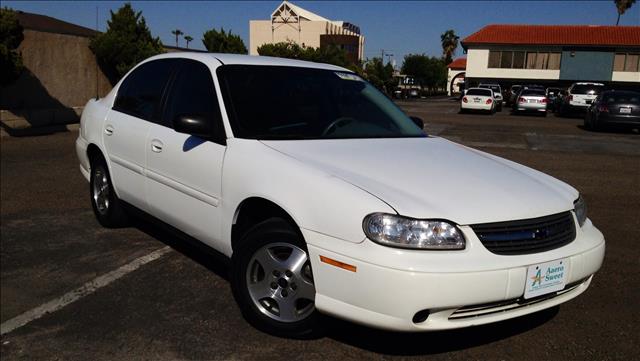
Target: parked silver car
531, 100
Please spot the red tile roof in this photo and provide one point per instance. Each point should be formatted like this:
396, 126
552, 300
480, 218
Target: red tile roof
458, 64
586, 35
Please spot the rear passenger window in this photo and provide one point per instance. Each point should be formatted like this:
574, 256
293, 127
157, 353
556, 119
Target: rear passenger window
193, 93
141, 92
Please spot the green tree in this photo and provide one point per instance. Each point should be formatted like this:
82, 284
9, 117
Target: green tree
126, 42
10, 38
623, 6
379, 75
223, 42
177, 33
329, 54
429, 72
188, 39
449, 41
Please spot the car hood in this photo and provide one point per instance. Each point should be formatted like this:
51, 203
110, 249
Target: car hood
432, 177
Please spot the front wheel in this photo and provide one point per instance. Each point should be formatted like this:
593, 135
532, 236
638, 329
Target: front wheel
272, 281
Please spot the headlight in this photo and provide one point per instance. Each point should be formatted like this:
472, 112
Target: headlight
396, 231
580, 207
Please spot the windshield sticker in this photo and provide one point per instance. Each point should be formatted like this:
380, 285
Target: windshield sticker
349, 76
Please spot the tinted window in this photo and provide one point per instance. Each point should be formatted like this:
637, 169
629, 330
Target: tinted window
533, 92
495, 88
621, 97
587, 89
278, 102
141, 92
193, 93
483, 92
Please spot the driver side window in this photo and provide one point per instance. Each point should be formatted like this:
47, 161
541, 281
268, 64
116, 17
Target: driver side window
193, 94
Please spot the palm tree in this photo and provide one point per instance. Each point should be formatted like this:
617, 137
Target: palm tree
623, 6
177, 33
449, 41
188, 39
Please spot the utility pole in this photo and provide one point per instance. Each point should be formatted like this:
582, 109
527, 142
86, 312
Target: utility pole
389, 56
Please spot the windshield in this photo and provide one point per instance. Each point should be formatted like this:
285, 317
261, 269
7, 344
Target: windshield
279, 102
533, 92
621, 97
587, 89
477, 91
495, 88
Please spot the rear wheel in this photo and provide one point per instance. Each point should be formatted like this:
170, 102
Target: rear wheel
272, 281
106, 205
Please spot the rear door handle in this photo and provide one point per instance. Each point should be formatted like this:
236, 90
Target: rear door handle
156, 146
108, 130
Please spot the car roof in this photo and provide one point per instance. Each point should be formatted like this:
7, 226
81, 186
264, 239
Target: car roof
477, 88
216, 59
598, 84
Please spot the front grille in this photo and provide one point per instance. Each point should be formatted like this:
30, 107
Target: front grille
527, 235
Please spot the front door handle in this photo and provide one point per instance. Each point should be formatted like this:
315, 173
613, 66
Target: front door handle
108, 130
156, 146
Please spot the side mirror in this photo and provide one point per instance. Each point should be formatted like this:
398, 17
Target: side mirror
417, 121
193, 124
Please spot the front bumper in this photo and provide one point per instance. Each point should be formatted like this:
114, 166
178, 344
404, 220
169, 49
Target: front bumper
390, 286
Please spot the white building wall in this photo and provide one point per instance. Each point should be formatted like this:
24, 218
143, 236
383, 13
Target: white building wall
477, 67
626, 76
450, 75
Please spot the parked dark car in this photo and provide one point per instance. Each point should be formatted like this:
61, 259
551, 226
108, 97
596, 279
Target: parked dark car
512, 94
614, 108
552, 95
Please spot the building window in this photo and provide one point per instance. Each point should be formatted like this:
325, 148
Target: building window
494, 59
518, 59
506, 59
524, 59
626, 62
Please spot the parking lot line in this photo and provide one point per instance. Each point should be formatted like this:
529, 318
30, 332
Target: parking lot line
80, 292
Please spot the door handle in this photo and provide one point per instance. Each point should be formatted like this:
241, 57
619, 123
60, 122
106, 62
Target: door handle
108, 130
156, 146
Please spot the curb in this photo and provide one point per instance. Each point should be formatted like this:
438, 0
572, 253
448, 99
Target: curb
33, 131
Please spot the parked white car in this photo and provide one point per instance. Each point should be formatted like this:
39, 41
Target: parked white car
329, 199
579, 97
497, 94
478, 99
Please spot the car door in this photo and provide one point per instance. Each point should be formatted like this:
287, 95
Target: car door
184, 172
125, 130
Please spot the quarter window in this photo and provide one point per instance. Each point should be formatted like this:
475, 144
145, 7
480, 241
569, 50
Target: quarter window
141, 91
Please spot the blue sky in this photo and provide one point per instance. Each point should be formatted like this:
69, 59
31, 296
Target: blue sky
399, 27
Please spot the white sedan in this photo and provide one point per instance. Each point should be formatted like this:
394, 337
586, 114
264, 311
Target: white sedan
478, 99
329, 199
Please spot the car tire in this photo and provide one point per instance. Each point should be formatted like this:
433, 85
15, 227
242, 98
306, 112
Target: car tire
462, 111
271, 270
107, 207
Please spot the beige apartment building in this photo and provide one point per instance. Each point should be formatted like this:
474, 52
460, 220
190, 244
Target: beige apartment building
290, 22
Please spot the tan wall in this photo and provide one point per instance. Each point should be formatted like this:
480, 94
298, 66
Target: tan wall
307, 33
60, 76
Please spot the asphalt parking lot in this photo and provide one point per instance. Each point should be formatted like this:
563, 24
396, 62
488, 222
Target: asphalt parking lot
178, 304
